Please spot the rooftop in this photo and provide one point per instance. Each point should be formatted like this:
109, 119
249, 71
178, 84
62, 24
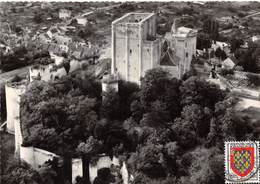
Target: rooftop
133, 18
185, 31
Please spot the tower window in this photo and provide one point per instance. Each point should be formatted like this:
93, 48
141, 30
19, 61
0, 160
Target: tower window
185, 44
186, 54
130, 51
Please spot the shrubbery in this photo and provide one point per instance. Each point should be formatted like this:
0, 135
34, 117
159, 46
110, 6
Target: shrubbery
163, 126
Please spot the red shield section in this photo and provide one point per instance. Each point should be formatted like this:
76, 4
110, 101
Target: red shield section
242, 160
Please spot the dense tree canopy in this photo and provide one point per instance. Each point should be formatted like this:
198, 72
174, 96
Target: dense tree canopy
164, 130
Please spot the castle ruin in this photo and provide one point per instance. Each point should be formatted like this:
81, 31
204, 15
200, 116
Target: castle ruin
136, 47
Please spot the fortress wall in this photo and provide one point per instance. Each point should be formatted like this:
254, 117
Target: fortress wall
41, 156
12, 104
27, 155
77, 169
35, 156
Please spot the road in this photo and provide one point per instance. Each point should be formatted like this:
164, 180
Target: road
4, 77
106, 8
251, 15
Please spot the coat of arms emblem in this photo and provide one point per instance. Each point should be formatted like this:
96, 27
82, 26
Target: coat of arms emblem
242, 162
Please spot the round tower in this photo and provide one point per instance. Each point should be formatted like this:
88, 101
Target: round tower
110, 81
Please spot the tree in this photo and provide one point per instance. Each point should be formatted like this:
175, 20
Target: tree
235, 44
104, 176
198, 91
200, 171
38, 18
210, 27
158, 86
21, 173
128, 92
66, 65
157, 117
136, 110
248, 59
148, 160
185, 133
220, 54
2, 103
199, 118
203, 41
87, 31
110, 104
59, 112
190, 73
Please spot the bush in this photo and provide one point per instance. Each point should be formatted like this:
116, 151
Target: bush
2, 103
253, 79
16, 78
225, 72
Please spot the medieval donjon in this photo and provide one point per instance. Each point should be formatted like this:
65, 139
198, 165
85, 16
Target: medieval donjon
136, 47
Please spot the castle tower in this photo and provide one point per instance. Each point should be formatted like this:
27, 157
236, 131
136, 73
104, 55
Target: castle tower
135, 48
110, 81
184, 40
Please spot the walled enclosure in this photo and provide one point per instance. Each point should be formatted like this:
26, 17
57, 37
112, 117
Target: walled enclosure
135, 48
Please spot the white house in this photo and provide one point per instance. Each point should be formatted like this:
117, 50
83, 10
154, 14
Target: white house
229, 63
255, 38
64, 14
82, 20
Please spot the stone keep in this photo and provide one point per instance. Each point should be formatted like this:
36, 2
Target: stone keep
184, 41
135, 48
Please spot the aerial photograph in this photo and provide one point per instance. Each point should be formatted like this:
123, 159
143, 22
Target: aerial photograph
130, 92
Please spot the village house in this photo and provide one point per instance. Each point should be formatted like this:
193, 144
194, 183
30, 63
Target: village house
44, 38
255, 38
222, 45
229, 63
64, 13
53, 31
84, 53
82, 20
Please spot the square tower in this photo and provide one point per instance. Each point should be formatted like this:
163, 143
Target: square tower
184, 41
135, 48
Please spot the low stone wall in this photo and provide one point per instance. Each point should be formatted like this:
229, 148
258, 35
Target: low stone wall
77, 169
245, 103
35, 156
